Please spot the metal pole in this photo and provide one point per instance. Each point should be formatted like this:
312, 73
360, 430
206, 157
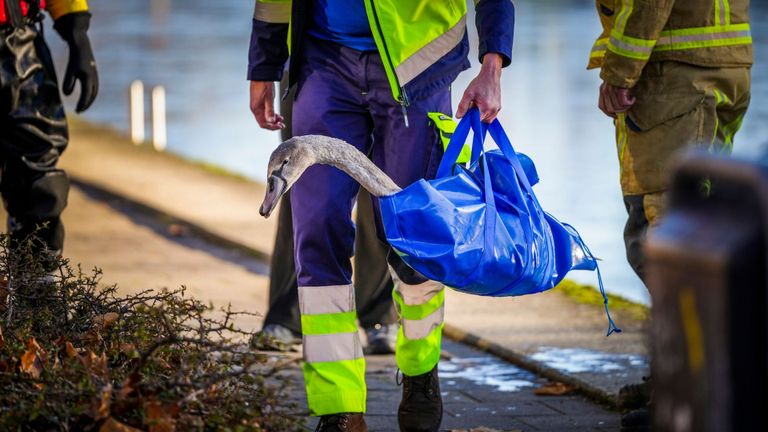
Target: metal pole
136, 98
159, 133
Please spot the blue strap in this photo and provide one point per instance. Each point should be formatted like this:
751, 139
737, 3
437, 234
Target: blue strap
612, 327
459, 137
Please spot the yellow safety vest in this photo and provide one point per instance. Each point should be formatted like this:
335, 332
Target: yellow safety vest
708, 33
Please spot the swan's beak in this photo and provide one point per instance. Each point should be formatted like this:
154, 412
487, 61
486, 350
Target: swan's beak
276, 187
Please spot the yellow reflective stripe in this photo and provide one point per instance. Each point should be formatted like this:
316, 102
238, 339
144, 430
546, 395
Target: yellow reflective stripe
628, 53
722, 12
277, 12
704, 37
59, 8
705, 30
674, 46
425, 57
598, 49
730, 130
727, 8
718, 12
630, 47
621, 137
623, 16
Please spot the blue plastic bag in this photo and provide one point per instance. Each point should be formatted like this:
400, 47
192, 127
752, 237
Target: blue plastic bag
481, 230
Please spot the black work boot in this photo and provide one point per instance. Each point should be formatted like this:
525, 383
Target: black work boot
343, 422
421, 408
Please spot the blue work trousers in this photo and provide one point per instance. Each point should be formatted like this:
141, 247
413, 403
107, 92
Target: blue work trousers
344, 93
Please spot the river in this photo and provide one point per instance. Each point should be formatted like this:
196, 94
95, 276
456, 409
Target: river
197, 50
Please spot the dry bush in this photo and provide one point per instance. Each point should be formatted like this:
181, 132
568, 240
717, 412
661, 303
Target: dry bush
78, 356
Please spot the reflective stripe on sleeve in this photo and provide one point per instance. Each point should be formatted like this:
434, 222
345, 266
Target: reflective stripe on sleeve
630, 47
272, 12
332, 347
326, 299
598, 49
425, 57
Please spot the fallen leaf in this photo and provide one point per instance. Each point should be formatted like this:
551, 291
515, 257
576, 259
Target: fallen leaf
112, 425
178, 230
32, 360
160, 418
100, 406
554, 388
128, 349
106, 320
129, 385
71, 351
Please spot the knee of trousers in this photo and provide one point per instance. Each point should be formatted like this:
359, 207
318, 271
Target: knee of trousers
421, 308
42, 198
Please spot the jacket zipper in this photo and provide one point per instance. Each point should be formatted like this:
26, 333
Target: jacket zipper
402, 98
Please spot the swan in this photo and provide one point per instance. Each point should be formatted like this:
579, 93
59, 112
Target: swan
291, 158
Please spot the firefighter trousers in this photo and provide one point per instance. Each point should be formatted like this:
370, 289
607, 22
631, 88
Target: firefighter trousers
678, 106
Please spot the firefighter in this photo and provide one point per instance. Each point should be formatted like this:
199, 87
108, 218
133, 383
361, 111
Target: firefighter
369, 72
676, 74
33, 128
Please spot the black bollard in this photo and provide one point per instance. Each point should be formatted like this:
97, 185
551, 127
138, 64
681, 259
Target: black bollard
707, 279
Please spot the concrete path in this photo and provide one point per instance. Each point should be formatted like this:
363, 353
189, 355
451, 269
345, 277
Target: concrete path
548, 329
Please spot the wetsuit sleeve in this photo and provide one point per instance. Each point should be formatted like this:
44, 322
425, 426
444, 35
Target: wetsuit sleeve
495, 20
268, 50
637, 26
59, 8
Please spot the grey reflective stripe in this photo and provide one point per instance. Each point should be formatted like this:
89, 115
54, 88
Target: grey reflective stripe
722, 10
418, 294
666, 40
277, 13
326, 299
332, 347
631, 47
425, 57
419, 329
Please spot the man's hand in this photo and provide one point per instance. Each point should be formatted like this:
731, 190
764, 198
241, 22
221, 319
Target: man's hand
614, 100
81, 66
263, 105
484, 91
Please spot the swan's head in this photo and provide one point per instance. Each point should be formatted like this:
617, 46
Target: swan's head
287, 163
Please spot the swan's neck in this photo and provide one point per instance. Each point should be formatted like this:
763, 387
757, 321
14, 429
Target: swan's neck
347, 158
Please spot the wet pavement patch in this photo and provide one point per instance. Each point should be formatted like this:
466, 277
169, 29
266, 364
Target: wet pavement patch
577, 360
487, 371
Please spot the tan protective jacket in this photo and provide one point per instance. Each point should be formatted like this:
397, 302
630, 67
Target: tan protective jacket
708, 33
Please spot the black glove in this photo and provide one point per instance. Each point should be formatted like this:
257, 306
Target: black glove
73, 29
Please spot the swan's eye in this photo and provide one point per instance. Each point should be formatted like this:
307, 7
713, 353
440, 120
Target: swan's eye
285, 161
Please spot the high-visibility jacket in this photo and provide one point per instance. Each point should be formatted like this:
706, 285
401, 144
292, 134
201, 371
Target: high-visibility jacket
708, 33
56, 8
423, 43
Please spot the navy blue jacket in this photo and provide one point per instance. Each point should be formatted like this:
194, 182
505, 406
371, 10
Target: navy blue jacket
495, 20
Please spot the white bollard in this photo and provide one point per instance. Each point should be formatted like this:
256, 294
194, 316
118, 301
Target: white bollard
136, 98
159, 133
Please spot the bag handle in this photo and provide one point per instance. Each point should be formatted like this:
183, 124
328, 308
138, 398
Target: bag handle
471, 121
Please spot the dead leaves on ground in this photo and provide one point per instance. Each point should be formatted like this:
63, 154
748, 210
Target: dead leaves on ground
33, 359
555, 388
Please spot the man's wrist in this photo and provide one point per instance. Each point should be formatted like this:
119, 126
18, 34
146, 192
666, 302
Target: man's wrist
492, 64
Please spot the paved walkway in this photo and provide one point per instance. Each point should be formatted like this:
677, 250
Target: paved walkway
140, 252
221, 262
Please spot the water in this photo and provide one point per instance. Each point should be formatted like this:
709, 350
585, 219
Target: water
197, 49
488, 371
577, 360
